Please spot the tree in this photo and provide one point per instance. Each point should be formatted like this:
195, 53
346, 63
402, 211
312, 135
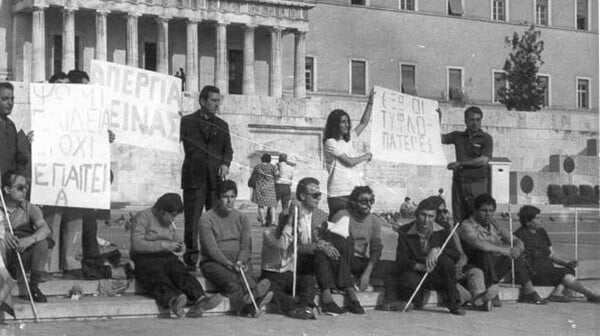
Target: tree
524, 92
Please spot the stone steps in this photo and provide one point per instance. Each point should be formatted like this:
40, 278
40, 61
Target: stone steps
133, 304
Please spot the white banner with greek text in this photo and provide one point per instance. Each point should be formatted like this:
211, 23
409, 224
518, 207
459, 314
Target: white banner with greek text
70, 151
405, 129
144, 106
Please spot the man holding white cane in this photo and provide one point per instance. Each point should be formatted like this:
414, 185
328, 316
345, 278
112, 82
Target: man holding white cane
29, 232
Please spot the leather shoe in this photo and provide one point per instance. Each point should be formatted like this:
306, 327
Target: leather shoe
532, 298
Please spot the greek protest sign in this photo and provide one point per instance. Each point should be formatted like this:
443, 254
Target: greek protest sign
144, 105
405, 129
70, 152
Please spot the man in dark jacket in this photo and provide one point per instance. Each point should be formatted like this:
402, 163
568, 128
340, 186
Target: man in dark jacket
419, 244
208, 154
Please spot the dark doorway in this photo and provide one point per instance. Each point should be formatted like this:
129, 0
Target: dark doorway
236, 71
150, 56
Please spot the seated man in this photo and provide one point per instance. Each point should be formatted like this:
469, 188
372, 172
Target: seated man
29, 233
541, 258
358, 254
419, 244
278, 251
469, 276
225, 253
488, 247
155, 244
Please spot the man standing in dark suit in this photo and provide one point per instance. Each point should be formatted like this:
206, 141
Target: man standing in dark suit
208, 154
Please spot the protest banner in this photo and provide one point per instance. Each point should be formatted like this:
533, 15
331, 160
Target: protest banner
405, 129
70, 152
144, 105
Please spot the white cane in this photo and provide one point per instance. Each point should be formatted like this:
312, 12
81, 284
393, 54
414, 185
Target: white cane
35, 314
512, 261
412, 297
295, 272
249, 292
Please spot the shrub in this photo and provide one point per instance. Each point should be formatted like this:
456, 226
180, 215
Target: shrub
555, 194
571, 193
586, 194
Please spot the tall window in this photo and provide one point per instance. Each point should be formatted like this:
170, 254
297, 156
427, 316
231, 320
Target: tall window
541, 12
309, 72
582, 14
583, 93
358, 77
499, 10
455, 85
455, 7
407, 73
499, 82
408, 5
544, 81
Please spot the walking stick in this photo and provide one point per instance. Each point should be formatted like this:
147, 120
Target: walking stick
250, 292
412, 297
512, 261
295, 272
33, 308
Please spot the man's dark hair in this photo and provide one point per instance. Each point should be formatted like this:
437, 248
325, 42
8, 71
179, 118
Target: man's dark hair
225, 186
357, 191
169, 202
332, 126
473, 109
430, 203
483, 199
302, 187
528, 213
77, 76
208, 89
9, 177
58, 76
7, 85
266, 158
406, 199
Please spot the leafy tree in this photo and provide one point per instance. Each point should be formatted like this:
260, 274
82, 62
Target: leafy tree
524, 92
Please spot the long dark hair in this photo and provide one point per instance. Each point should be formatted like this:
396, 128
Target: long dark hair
332, 127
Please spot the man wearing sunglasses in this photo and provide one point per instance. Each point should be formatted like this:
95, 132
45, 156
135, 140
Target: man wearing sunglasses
29, 232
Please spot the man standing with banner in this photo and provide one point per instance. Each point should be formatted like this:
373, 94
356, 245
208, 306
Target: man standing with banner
208, 154
473, 148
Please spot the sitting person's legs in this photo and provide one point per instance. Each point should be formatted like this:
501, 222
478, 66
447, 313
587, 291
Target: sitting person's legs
34, 260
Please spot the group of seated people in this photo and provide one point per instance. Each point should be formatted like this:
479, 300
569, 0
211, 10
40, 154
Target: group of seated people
307, 251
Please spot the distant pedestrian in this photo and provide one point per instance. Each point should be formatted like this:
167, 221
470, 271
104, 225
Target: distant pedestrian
283, 181
264, 194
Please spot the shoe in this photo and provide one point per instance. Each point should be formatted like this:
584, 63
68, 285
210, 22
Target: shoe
302, 313
594, 299
532, 298
331, 308
262, 287
355, 308
203, 304
177, 304
395, 306
457, 311
36, 295
262, 302
488, 295
557, 298
496, 302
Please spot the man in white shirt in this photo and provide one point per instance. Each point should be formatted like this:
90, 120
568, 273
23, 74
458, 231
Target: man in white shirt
283, 181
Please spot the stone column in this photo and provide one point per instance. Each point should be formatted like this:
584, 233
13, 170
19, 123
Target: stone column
221, 75
162, 45
68, 40
38, 32
101, 39
300, 65
276, 80
191, 57
132, 39
248, 86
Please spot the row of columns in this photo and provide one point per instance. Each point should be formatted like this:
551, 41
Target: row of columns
192, 65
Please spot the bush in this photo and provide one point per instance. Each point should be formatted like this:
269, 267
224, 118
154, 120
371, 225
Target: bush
586, 194
555, 194
571, 193
597, 194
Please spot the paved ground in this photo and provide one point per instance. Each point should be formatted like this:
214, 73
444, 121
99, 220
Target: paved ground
576, 318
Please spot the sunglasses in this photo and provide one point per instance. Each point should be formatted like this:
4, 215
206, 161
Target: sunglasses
367, 201
21, 187
316, 195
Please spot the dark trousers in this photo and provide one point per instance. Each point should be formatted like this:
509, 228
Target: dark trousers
336, 204
442, 278
34, 259
495, 267
194, 201
463, 195
335, 273
165, 277
283, 192
282, 284
228, 282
